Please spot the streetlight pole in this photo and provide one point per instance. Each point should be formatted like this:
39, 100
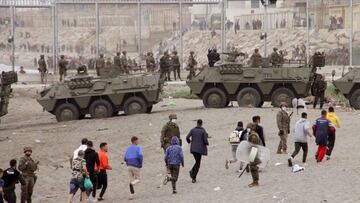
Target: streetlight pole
265, 27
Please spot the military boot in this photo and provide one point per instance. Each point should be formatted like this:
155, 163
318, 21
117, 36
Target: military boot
254, 184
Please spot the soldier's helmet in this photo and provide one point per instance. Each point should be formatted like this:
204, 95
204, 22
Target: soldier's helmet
172, 116
275, 49
42, 56
82, 69
124, 52
283, 104
117, 53
256, 50
166, 53
252, 126
174, 52
62, 56
101, 55
26, 149
192, 52
149, 53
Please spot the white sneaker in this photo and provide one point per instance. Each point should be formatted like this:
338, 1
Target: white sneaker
92, 199
134, 182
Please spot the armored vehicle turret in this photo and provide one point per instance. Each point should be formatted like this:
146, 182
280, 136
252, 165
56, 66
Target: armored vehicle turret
252, 86
101, 97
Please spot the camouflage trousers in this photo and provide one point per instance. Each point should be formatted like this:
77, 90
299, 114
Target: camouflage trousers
27, 189
254, 169
177, 71
283, 142
192, 74
42, 77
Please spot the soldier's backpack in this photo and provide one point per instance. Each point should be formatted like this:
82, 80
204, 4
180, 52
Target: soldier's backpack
235, 136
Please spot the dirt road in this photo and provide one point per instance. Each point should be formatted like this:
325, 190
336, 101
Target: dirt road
331, 181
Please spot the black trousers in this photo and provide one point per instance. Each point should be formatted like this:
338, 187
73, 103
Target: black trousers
331, 144
94, 181
321, 97
174, 171
9, 194
304, 147
195, 169
102, 182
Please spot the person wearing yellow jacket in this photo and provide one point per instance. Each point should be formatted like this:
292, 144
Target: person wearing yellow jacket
334, 119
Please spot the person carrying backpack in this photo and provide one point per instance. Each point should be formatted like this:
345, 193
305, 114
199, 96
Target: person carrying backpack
235, 138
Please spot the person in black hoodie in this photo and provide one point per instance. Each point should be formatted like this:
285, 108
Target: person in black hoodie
92, 165
11, 177
259, 130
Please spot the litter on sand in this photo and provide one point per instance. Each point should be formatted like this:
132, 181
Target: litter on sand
296, 168
37, 141
102, 129
217, 189
278, 164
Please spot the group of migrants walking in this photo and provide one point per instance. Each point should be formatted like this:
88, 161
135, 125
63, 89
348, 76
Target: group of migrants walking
323, 130
89, 167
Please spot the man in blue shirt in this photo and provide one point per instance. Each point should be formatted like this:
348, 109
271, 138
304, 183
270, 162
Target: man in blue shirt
134, 160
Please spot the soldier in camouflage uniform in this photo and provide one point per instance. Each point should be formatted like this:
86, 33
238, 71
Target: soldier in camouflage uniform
100, 64
254, 140
28, 167
117, 62
62, 67
165, 64
42, 68
232, 56
175, 62
124, 62
108, 63
319, 91
191, 65
275, 58
283, 123
256, 59
169, 130
150, 62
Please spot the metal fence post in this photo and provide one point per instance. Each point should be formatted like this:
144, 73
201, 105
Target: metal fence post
180, 32
12, 12
351, 31
139, 27
223, 14
97, 28
54, 17
307, 33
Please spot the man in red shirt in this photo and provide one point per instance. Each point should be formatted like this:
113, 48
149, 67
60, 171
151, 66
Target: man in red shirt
104, 165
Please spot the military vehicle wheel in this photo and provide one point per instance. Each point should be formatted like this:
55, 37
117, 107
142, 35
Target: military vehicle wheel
101, 108
248, 97
149, 109
214, 98
66, 112
282, 95
134, 105
355, 99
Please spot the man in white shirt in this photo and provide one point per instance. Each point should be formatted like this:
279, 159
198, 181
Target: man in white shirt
82, 147
301, 131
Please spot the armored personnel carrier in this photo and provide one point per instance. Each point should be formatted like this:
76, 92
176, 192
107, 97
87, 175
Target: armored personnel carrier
101, 97
6, 79
349, 85
252, 86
